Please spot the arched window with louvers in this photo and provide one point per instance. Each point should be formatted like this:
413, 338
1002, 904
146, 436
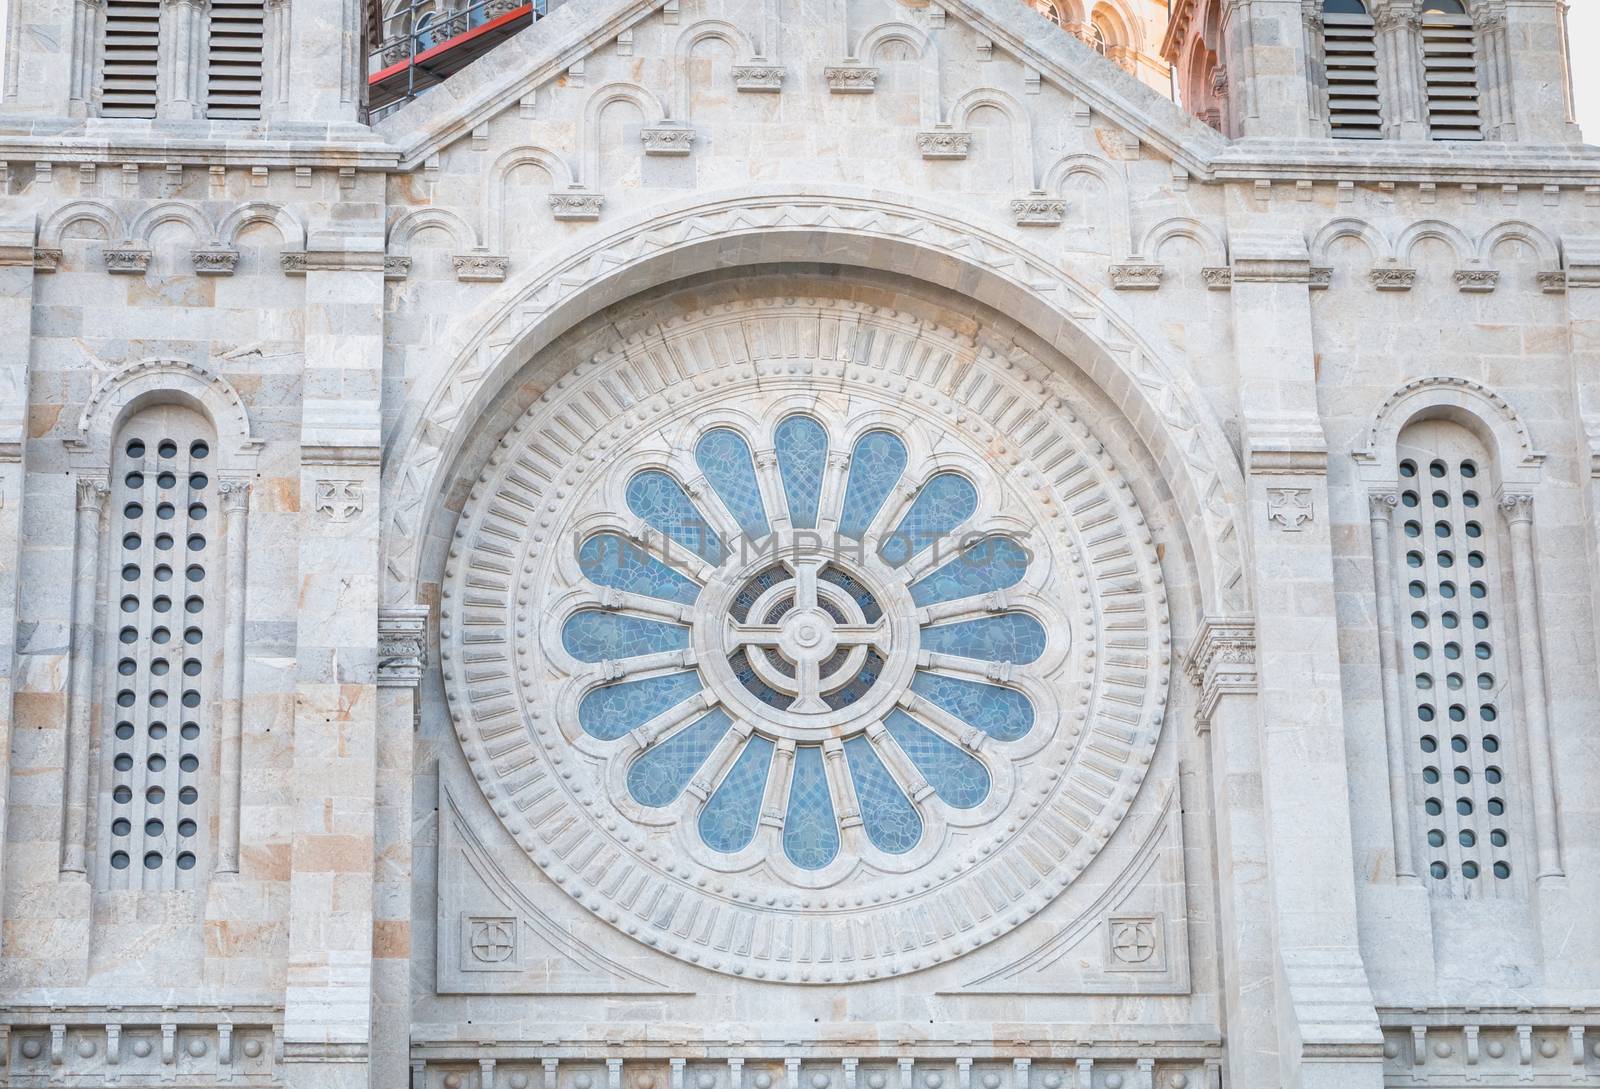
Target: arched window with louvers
1450, 71
1350, 66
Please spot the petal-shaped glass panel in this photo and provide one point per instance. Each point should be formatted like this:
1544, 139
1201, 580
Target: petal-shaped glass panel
956, 776
891, 821
729, 820
810, 831
610, 559
662, 502
1010, 637
1003, 713
596, 635
659, 776
864, 679
876, 463
802, 446
746, 599
730, 470
994, 563
942, 504
610, 711
747, 676
871, 611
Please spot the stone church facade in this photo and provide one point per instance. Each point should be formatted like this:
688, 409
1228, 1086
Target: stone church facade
799, 544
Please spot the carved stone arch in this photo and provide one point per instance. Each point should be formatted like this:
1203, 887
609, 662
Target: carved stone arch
171, 211
1212, 247
1023, 170
1447, 233
857, 229
79, 211
260, 211
1519, 231
929, 85
1112, 15
1056, 178
1378, 246
125, 390
553, 164
594, 109
1471, 404
400, 235
744, 52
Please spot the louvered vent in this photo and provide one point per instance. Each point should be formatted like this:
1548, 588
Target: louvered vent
1350, 52
1450, 68
233, 64
128, 63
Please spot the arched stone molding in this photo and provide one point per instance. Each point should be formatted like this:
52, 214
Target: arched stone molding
149, 381
929, 86
594, 111
744, 53
1213, 250
170, 211
855, 229
82, 211
1437, 229
1471, 404
288, 224
1063, 170
1377, 243
407, 226
1024, 172
1550, 275
566, 193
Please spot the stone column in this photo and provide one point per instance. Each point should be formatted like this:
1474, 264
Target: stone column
1518, 510
1222, 663
92, 492
1398, 32
182, 60
328, 998
1494, 68
236, 515
1327, 1020
1381, 507
85, 60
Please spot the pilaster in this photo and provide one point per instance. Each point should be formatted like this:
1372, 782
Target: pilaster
320, 66
39, 57
1399, 40
1327, 1022
1267, 62
1537, 66
181, 73
328, 1007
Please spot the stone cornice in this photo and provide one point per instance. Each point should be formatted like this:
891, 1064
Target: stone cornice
1221, 660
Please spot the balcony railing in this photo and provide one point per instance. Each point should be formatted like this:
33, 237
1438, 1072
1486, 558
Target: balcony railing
427, 41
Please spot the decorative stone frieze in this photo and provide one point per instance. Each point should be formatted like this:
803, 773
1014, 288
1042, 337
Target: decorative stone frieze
667, 140
1144, 276
396, 268
293, 263
759, 78
1221, 661
128, 260
215, 260
1551, 281
1038, 212
944, 144
1477, 280
137, 1047
851, 79
480, 267
402, 645
1388, 278
576, 206
1217, 278
46, 260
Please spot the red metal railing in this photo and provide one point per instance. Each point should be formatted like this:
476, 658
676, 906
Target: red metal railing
428, 42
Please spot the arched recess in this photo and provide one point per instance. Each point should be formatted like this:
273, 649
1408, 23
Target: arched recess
498, 176
82, 211
1060, 175
1024, 173
929, 86
1378, 248
259, 211
719, 30
648, 105
460, 232
854, 229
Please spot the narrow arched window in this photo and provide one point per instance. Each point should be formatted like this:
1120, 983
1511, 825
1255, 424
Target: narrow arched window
129, 47
1049, 11
1098, 39
1450, 71
1455, 662
155, 745
234, 59
1350, 58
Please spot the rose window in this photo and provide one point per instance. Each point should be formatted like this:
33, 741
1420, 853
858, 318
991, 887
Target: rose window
798, 668
825, 649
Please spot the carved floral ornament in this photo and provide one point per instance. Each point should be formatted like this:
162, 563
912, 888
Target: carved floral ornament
761, 749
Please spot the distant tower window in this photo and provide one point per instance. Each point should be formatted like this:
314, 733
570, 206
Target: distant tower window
1049, 11
234, 59
1350, 58
128, 58
1097, 38
1450, 71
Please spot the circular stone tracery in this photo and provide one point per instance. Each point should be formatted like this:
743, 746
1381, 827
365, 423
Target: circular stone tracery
940, 726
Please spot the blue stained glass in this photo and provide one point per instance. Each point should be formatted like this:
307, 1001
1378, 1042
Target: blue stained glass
876, 463
610, 559
766, 580
942, 504
610, 711
595, 635
871, 611
1003, 713
858, 686
956, 776
662, 502
1009, 637
891, 821
992, 564
729, 820
660, 775
725, 459
810, 831
802, 447
748, 677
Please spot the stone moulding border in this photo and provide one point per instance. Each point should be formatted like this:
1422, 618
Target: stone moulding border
1513, 445
893, 234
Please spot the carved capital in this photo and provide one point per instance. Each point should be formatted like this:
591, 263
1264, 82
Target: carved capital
1477, 280
214, 260
480, 267
667, 140
1382, 505
1038, 212
1136, 277
758, 78
132, 259
92, 492
944, 144
1517, 507
851, 79
402, 645
235, 495
572, 206
1221, 661
1386, 278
